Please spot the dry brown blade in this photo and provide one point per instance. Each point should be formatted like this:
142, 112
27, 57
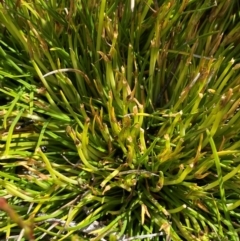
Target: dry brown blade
17, 219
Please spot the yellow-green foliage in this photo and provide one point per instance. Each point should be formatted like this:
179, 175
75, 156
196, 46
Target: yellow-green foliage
119, 119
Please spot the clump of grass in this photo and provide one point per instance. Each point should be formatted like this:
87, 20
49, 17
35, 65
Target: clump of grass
120, 119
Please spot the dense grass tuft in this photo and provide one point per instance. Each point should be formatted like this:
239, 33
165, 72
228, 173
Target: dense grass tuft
119, 120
